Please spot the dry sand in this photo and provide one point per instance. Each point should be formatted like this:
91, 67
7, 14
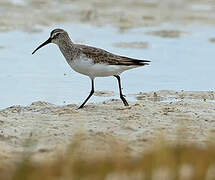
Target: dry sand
44, 128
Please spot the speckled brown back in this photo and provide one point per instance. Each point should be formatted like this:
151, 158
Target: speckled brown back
101, 56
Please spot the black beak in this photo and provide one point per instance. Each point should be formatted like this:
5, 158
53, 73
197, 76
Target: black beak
45, 43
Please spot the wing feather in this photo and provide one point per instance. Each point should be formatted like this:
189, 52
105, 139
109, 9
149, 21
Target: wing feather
100, 55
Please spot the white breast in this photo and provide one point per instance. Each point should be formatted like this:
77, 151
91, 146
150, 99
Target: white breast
86, 66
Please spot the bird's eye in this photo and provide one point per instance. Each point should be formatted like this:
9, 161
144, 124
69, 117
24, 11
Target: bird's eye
56, 35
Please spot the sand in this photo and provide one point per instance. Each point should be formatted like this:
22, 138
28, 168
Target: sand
43, 128
30, 15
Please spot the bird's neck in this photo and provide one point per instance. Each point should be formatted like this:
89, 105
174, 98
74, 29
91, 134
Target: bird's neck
67, 48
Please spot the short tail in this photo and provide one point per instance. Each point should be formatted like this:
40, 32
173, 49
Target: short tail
133, 62
141, 62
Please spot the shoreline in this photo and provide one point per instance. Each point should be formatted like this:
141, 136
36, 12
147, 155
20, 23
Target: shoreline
49, 127
29, 16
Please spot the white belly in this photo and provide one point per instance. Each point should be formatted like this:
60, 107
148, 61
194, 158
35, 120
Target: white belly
87, 67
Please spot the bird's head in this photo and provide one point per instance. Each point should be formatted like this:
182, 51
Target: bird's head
56, 37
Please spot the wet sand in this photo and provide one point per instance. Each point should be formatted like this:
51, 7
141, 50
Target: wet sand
43, 128
30, 15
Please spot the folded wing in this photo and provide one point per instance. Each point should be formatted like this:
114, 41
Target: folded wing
102, 56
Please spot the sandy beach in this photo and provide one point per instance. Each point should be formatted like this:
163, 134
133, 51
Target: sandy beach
44, 128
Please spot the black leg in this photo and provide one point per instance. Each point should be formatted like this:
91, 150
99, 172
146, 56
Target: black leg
91, 93
120, 91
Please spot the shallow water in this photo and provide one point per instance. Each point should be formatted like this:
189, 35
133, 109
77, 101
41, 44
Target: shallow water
177, 63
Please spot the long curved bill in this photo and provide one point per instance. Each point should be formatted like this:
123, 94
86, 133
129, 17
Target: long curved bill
45, 43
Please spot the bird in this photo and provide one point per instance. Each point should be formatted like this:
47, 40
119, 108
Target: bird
91, 61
